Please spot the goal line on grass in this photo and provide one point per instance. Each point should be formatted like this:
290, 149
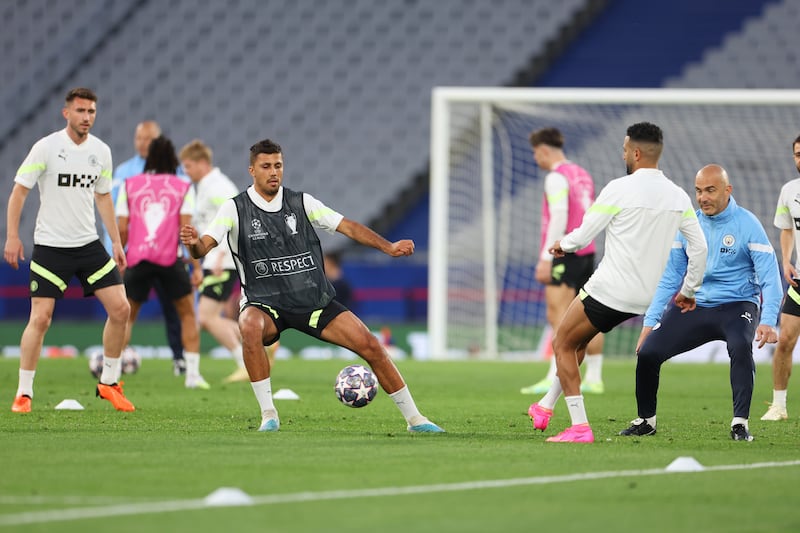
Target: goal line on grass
128, 509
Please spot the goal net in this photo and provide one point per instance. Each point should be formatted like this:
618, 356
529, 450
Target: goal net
486, 191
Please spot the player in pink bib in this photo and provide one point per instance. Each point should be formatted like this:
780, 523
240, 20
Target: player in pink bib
151, 208
568, 193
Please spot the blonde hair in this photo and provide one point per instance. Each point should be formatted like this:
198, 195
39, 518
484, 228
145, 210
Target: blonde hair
197, 150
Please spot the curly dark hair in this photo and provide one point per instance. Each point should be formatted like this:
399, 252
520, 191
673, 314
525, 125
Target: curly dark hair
645, 132
161, 158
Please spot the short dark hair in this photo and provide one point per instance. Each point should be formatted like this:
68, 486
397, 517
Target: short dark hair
797, 140
267, 146
549, 136
645, 132
161, 158
80, 92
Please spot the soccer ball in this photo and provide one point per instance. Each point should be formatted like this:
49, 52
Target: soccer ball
96, 363
131, 361
356, 386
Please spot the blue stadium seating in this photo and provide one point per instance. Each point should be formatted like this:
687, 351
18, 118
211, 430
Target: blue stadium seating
344, 85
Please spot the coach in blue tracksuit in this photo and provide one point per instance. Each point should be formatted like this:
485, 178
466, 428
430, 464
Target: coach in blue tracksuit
741, 273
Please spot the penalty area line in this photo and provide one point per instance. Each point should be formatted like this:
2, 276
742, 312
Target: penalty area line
82, 513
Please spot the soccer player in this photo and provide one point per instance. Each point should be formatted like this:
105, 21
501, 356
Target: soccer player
73, 170
271, 232
739, 300
151, 208
145, 132
219, 271
787, 218
641, 213
569, 191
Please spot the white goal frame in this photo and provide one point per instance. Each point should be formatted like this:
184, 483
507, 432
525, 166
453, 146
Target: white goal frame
444, 97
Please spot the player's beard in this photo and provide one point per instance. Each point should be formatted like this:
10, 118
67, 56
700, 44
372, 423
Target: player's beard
79, 132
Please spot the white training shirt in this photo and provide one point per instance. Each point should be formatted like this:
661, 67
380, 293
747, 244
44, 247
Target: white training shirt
641, 213
68, 176
556, 190
212, 191
227, 219
787, 215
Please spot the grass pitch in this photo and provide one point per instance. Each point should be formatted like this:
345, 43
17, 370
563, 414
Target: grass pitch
335, 468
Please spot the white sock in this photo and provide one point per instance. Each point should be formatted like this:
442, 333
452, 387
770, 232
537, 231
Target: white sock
594, 367
26, 382
238, 356
577, 412
192, 364
549, 400
740, 420
403, 400
651, 420
551, 372
112, 369
778, 398
263, 392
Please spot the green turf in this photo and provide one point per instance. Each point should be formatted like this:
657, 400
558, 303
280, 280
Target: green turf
181, 445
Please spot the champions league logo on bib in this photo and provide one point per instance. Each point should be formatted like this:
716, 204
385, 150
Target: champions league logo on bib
291, 223
258, 232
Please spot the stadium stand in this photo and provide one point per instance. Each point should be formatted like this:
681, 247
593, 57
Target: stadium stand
345, 86
631, 44
762, 55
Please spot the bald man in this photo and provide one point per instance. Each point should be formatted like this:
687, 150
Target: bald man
146, 131
741, 273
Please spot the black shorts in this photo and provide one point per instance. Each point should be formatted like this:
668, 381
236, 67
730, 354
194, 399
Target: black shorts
572, 270
678, 332
52, 268
601, 316
791, 302
311, 322
174, 279
219, 287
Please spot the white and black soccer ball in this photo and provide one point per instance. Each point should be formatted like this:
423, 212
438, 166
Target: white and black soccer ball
131, 361
356, 386
96, 363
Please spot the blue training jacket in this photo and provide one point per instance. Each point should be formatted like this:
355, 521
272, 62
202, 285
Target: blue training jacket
741, 266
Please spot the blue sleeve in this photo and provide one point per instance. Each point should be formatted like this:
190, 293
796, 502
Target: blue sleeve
670, 282
121, 173
765, 263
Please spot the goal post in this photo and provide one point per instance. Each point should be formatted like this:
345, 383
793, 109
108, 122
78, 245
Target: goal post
486, 192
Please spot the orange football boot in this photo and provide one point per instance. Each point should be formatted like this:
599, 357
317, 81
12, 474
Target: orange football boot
22, 404
113, 393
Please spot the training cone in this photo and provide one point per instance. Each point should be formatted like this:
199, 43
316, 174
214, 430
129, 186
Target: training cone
285, 394
69, 405
225, 496
685, 464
